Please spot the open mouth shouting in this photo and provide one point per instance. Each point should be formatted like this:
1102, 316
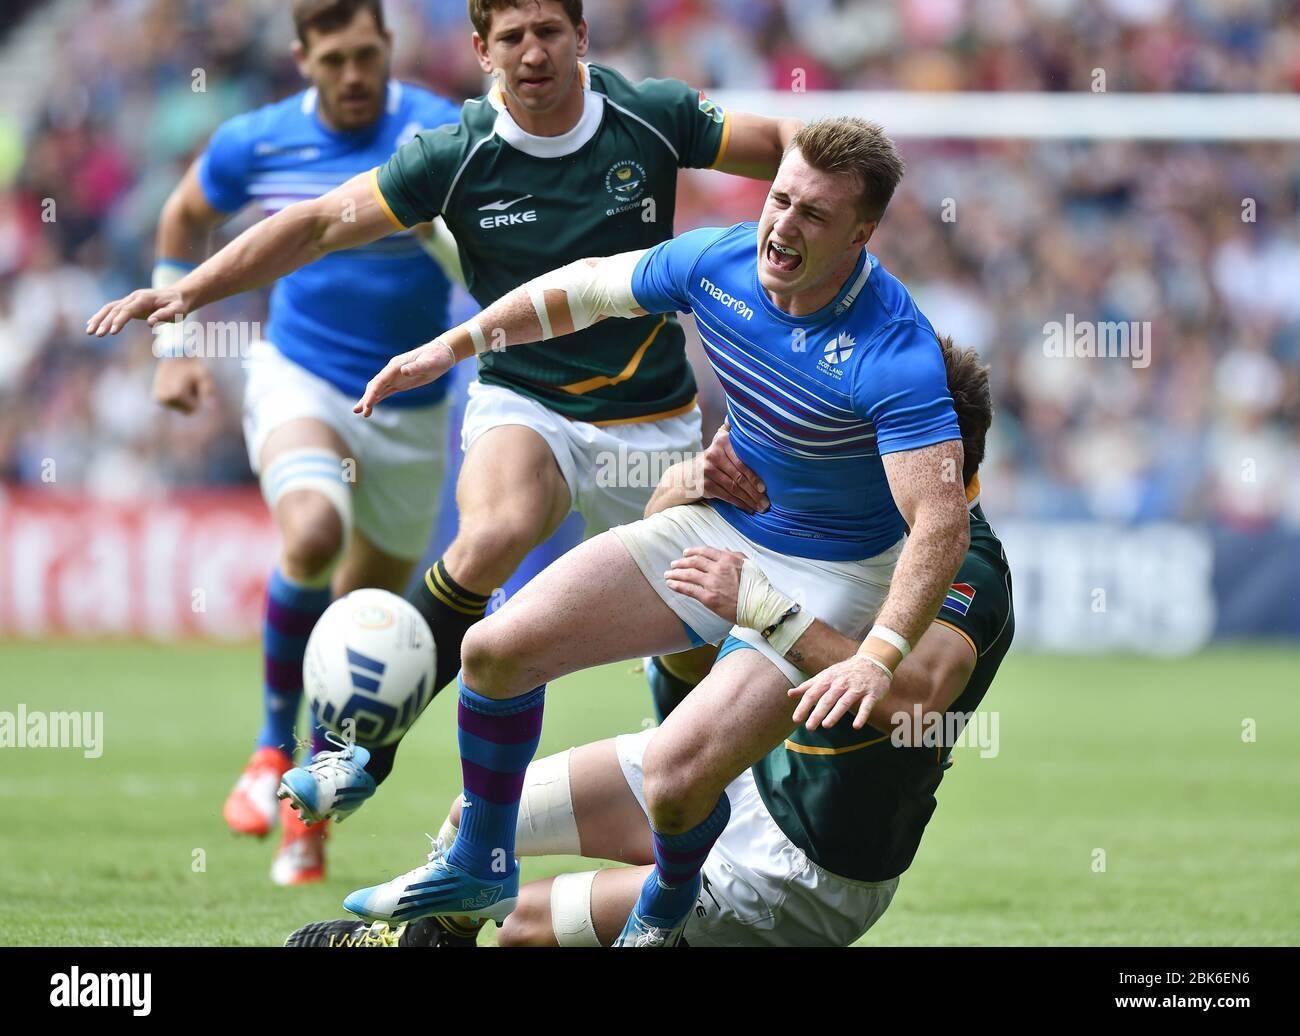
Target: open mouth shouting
783, 257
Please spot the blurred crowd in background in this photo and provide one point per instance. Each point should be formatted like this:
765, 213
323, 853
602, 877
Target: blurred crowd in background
995, 239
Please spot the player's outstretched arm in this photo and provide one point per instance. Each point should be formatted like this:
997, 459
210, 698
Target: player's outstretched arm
756, 144
186, 222
346, 217
558, 303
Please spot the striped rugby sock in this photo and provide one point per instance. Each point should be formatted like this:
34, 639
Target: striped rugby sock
498, 740
450, 610
670, 889
291, 612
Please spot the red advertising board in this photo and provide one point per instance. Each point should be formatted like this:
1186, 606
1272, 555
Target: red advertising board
188, 565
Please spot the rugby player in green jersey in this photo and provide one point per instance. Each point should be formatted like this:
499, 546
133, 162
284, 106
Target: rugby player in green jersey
562, 159
822, 827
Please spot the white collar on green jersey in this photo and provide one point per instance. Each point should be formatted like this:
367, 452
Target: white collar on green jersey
593, 109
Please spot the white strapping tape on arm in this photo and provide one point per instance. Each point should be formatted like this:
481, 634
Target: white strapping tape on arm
893, 637
592, 292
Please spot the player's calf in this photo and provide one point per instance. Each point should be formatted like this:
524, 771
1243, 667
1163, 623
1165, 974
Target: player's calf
530, 923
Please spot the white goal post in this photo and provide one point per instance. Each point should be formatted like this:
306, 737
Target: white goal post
1045, 116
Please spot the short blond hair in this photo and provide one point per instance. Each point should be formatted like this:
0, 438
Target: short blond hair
858, 147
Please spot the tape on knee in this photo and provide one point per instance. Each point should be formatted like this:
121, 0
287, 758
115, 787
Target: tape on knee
547, 826
316, 470
571, 910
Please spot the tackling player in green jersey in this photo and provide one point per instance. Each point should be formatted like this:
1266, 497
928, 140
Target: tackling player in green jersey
822, 827
560, 160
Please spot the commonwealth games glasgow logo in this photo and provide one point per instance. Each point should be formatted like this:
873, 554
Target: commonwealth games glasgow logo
839, 349
626, 180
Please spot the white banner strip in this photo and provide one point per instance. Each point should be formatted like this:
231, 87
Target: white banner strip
1045, 116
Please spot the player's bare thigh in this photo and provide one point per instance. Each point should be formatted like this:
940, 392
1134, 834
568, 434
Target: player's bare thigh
725, 725
511, 496
613, 895
590, 607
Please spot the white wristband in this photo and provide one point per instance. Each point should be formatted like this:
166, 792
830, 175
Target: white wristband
169, 338
167, 272
476, 336
891, 637
878, 664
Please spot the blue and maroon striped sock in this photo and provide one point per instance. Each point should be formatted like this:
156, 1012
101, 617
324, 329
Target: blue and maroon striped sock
291, 612
670, 889
498, 740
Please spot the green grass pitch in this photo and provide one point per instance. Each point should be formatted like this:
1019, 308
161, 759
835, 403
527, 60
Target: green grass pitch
1142, 759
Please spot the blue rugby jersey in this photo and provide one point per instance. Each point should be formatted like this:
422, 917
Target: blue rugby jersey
813, 401
344, 316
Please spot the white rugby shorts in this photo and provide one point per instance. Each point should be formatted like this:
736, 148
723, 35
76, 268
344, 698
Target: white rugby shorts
611, 470
844, 594
401, 452
759, 888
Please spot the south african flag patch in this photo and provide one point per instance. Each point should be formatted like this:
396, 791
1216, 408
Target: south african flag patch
711, 108
960, 596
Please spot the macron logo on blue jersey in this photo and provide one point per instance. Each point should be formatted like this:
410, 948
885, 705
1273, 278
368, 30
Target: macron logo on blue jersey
730, 301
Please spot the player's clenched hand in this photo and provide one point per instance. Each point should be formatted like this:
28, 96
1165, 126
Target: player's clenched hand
152, 304
182, 384
722, 476
854, 684
710, 576
407, 371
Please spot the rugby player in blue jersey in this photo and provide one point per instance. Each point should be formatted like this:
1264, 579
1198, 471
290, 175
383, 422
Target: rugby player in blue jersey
822, 827
354, 504
837, 401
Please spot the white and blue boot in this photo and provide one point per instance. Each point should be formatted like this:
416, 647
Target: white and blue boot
652, 932
332, 786
436, 888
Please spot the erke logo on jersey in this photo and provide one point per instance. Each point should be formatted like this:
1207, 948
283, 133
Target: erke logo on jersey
506, 219
730, 301
837, 351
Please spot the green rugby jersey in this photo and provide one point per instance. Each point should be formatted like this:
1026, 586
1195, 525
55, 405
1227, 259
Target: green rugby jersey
521, 205
853, 801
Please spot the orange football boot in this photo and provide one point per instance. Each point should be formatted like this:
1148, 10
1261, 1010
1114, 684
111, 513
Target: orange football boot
251, 806
301, 856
